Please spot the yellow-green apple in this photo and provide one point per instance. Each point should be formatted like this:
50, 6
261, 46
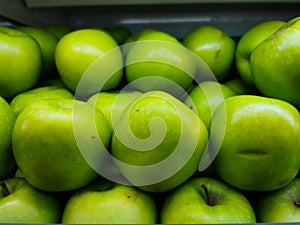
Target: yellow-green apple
158, 61
113, 103
260, 148
20, 101
248, 43
279, 206
21, 63
214, 47
133, 38
105, 202
7, 122
158, 142
47, 139
20, 202
204, 200
274, 64
91, 49
47, 43
204, 98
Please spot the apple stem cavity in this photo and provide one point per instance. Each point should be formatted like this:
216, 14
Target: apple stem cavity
297, 203
4, 189
207, 195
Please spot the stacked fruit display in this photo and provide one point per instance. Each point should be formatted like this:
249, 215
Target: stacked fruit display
104, 126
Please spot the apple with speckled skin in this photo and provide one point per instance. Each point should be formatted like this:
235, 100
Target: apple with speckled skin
110, 203
260, 146
47, 143
204, 200
158, 142
21, 64
280, 205
20, 202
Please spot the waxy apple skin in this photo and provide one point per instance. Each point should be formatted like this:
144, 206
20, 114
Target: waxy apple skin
280, 205
21, 62
247, 44
214, 46
110, 203
155, 168
20, 101
275, 64
260, 148
79, 49
162, 58
205, 97
188, 204
7, 122
113, 103
46, 149
26, 204
47, 43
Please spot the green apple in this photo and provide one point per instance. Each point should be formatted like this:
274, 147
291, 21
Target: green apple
20, 101
7, 122
260, 148
280, 205
59, 30
20, 202
47, 43
248, 43
205, 98
78, 50
275, 66
133, 38
206, 200
214, 46
105, 202
158, 142
46, 143
20, 64
113, 103
158, 61
120, 34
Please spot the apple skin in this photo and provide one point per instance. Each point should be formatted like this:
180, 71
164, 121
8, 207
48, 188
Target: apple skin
158, 142
275, 66
247, 44
214, 47
158, 61
188, 204
113, 103
77, 50
260, 148
20, 101
21, 63
7, 122
47, 43
26, 204
280, 205
105, 202
205, 98
46, 148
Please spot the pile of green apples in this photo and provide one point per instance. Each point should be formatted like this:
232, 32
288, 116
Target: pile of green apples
106, 126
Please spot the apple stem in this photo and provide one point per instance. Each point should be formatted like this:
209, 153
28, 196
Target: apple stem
297, 203
207, 195
4, 189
